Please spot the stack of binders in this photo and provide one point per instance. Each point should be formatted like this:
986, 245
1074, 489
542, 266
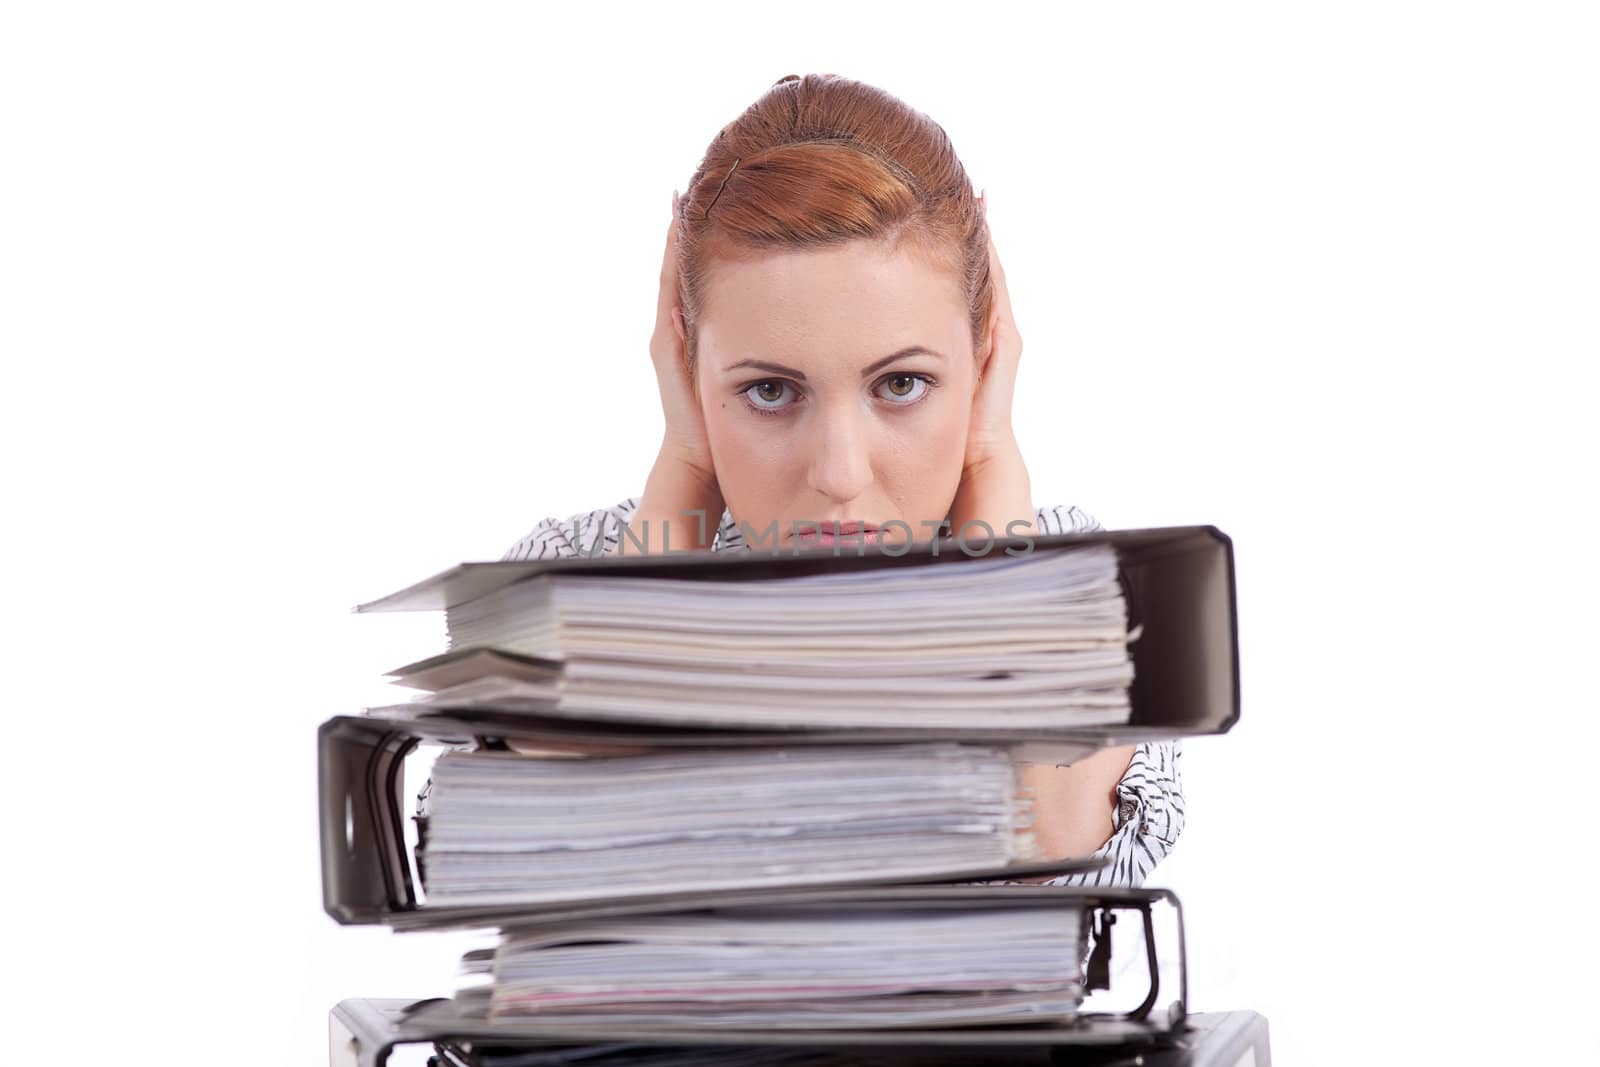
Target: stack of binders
745, 809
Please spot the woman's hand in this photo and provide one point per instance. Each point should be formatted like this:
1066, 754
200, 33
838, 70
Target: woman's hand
994, 485
685, 438
682, 503
989, 435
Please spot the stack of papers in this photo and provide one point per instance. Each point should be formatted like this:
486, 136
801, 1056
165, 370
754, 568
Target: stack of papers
508, 828
786, 967
1038, 640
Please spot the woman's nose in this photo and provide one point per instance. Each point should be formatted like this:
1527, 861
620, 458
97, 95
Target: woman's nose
841, 463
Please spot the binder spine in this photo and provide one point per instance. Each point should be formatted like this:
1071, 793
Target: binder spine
366, 874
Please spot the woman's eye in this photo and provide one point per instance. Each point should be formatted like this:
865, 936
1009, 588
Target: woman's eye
767, 396
905, 388
772, 397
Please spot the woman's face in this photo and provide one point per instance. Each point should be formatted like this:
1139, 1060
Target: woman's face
836, 385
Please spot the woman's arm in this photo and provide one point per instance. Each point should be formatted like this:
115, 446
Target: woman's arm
681, 509
1075, 804
682, 503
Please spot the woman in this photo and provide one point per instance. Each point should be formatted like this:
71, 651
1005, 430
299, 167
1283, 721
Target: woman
834, 345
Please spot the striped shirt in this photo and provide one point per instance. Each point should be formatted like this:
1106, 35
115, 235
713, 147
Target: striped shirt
1149, 814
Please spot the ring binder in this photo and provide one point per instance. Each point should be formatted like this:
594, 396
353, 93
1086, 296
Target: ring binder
1179, 584
366, 872
364, 1031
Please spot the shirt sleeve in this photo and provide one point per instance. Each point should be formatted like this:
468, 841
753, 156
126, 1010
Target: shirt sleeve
1066, 518
585, 534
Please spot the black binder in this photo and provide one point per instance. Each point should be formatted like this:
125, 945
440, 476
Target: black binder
1160, 1016
1178, 583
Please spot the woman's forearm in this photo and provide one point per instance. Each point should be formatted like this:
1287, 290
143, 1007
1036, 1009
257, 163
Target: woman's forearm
1073, 805
680, 510
996, 492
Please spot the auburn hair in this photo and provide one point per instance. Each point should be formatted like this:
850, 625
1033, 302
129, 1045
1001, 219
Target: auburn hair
821, 159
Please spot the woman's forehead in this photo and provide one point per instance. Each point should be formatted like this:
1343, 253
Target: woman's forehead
855, 298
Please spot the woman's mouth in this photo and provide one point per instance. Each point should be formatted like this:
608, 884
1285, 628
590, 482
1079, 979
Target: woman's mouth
831, 533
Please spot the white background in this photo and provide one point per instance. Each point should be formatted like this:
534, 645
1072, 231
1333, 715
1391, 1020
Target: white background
300, 303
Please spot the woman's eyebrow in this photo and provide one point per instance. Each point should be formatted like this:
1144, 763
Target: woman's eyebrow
779, 368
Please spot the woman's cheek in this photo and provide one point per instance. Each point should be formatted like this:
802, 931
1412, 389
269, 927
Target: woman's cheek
738, 429
726, 427
743, 448
946, 433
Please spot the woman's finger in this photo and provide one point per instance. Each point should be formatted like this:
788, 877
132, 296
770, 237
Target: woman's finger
667, 298
680, 405
1002, 295
1007, 338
